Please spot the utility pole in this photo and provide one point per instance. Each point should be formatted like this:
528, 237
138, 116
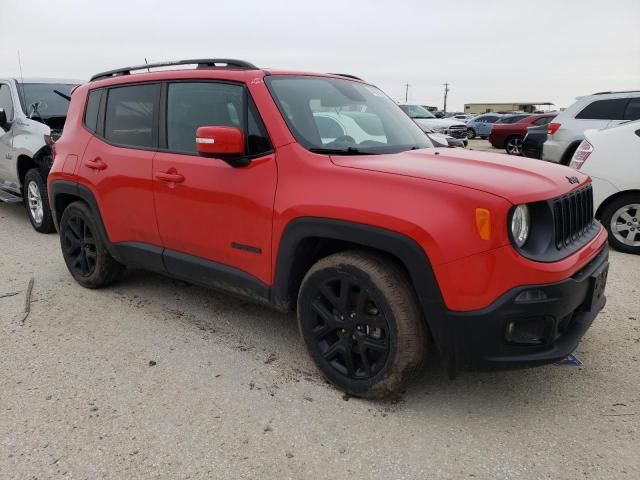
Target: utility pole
406, 92
446, 92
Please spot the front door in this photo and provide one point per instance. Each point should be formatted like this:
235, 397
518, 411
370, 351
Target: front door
206, 209
7, 162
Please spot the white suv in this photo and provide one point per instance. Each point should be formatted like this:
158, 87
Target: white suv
611, 157
32, 114
600, 110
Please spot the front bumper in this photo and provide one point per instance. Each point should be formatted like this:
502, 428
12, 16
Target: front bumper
478, 339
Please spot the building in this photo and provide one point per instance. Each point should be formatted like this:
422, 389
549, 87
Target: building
505, 107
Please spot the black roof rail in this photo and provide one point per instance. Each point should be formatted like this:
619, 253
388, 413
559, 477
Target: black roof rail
346, 75
201, 63
623, 91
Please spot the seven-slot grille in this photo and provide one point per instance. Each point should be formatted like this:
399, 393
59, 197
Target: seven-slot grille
573, 216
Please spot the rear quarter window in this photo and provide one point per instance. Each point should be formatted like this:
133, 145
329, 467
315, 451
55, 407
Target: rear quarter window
612, 109
91, 111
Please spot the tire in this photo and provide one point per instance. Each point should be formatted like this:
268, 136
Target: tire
513, 145
621, 218
391, 326
568, 154
471, 133
83, 249
36, 199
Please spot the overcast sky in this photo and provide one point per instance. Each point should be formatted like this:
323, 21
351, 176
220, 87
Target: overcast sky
539, 50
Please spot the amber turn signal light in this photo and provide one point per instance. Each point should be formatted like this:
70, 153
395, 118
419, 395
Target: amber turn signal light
483, 223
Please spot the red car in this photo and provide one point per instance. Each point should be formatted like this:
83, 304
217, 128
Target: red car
508, 132
315, 193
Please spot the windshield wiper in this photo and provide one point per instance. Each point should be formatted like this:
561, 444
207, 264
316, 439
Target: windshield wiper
66, 97
340, 151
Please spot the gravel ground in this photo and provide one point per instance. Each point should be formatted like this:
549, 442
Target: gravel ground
153, 378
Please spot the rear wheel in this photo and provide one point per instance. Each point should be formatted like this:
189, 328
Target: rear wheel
621, 218
37, 202
513, 145
84, 251
359, 319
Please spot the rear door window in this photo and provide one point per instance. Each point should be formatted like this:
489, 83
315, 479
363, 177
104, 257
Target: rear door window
131, 115
612, 109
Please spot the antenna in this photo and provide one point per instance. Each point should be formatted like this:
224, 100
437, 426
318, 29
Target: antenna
24, 98
406, 92
147, 63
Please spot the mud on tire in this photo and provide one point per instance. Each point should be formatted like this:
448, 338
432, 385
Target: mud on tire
361, 323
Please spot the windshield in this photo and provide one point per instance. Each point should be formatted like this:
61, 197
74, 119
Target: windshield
328, 115
416, 111
42, 98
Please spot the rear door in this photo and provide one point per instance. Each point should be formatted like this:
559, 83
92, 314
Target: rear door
214, 215
117, 163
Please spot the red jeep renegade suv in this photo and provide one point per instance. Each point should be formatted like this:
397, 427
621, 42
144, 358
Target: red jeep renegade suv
316, 193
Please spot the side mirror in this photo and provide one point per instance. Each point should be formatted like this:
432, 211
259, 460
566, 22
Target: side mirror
219, 141
226, 143
3, 117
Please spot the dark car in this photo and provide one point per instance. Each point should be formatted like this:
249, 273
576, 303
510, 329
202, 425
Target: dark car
533, 141
508, 132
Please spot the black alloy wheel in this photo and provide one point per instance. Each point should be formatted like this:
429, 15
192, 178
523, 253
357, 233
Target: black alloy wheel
350, 330
361, 323
80, 246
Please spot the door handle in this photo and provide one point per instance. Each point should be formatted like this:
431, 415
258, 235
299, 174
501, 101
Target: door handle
171, 176
95, 164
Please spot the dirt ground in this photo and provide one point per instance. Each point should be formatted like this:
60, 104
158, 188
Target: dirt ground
153, 378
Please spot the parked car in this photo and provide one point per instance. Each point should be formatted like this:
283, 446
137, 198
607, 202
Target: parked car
425, 119
463, 117
218, 175
533, 141
610, 157
442, 140
509, 132
32, 113
600, 110
480, 126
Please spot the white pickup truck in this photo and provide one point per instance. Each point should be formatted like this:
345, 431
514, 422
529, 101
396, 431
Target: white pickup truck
32, 114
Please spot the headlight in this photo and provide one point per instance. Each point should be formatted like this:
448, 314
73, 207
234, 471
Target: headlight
520, 225
441, 130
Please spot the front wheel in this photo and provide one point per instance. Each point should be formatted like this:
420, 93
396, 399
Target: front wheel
621, 218
83, 249
513, 145
471, 133
360, 321
37, 202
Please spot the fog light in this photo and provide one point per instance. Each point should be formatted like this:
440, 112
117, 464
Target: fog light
530, 331
533, 295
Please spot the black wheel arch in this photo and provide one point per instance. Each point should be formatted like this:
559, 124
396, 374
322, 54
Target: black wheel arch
568, 153
308, 239
613, 198
63, 192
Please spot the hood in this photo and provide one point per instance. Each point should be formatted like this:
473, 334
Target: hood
516, 179
438, 122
